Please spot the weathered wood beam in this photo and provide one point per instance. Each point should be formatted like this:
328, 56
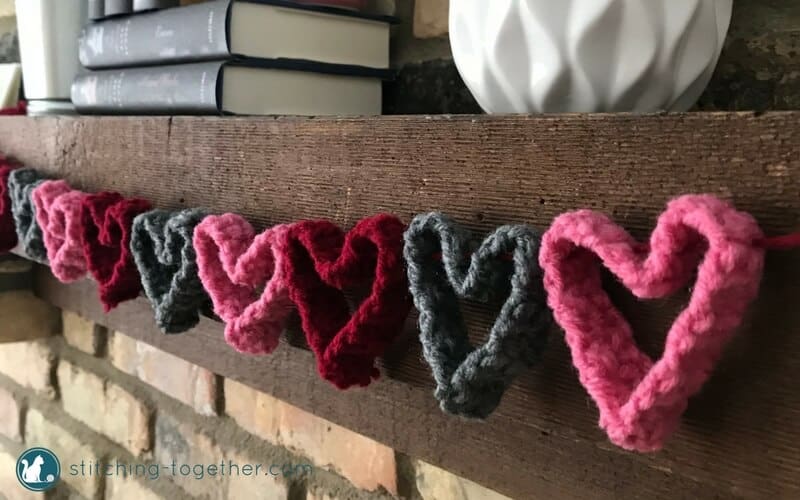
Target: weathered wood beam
740, 435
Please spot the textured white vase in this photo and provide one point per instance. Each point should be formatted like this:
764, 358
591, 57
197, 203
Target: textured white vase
547, 56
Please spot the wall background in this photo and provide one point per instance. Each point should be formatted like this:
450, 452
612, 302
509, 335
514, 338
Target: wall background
9, 48
759, 68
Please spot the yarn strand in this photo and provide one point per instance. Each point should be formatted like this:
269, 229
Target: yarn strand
783, 242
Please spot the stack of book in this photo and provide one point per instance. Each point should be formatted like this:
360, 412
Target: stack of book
98, 9
250, 57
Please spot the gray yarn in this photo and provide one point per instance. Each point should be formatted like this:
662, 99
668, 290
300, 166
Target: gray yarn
161, 243
21, 183
471, 381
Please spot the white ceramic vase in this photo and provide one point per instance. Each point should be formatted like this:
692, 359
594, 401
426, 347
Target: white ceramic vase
548, 56
48, 45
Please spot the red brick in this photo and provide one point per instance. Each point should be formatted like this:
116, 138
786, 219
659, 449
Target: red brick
431, 18
318, 495
434, 483
69, 450
367, 464
255, 487
254, 411
181, 443
82, 333
30, 364
105, 407
128, 488
188, 383
10, 489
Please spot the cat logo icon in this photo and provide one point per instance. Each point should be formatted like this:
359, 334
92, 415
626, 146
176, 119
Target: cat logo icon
38, 469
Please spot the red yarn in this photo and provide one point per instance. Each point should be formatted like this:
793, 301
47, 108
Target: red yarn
8, 233
321, 262
784, 242
20, 109
107, 219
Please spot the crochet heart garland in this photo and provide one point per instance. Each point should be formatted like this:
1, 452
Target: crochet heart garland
8, 232
58, 214
641, 401
21, 182
107, 219
471, 381
161, 244
244, 275
321, 262
255, 280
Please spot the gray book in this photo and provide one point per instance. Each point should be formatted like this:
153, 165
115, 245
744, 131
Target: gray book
97, 9
117, 7
231, 87
140, 5
266, 29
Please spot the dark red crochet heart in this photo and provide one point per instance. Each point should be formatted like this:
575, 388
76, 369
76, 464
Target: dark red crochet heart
322, 261
107, 219
8, 234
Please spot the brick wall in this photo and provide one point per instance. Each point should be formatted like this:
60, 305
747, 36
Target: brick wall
90, 394
9, 46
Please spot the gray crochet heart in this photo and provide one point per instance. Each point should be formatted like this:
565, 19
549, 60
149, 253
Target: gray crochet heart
161, 243
471, 380
21, 183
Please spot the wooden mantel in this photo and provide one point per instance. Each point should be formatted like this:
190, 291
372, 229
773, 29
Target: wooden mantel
740, 436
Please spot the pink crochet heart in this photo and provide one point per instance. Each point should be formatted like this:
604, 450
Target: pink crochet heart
58, 213
641, 401
234, 265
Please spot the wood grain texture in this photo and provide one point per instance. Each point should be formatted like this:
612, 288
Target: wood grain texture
739, 437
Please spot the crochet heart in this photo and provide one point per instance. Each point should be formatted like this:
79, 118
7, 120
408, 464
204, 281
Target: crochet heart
322, 261
58, 214
471, 381
641, 401
161, 244
244, 274
8, 232
107, 219
21, 182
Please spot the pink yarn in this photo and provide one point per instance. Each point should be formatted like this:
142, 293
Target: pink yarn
234, 265
58, 213
640, 401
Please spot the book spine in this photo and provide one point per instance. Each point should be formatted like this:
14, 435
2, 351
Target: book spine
97, 9
117, 7
140, 5
176, 89
192, 33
